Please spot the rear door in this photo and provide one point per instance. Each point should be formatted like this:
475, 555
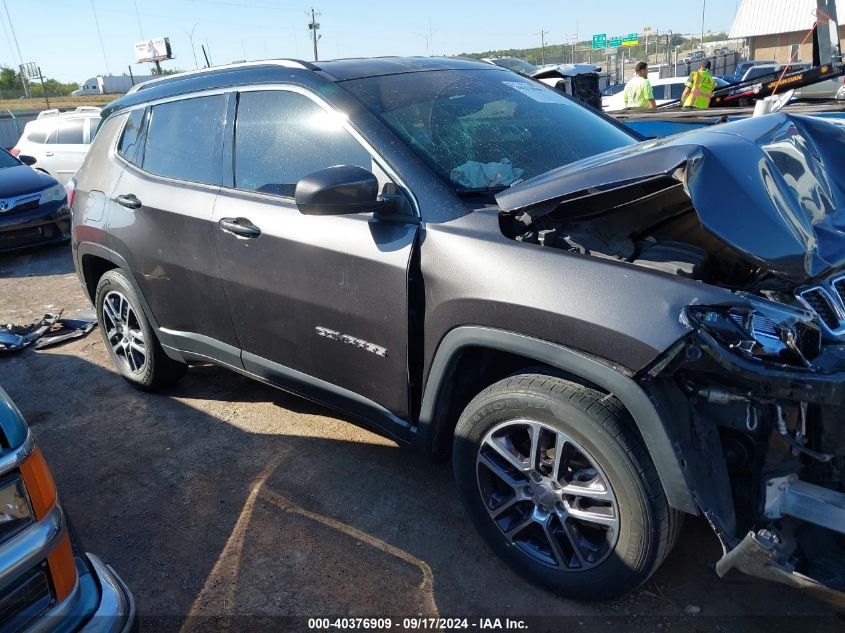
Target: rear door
319, 303
66, 147
161, 219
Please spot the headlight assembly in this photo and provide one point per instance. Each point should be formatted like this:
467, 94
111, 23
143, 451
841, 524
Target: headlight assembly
765, 330
15, 511
56, 192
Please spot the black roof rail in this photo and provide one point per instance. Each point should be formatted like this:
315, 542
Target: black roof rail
211, 70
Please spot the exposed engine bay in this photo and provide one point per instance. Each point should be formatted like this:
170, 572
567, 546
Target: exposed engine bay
757, 388
661, 231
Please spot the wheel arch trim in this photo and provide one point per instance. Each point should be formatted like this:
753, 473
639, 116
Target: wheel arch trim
643, 411
98, 250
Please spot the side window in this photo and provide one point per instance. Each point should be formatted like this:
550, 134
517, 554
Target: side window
185, 139
282, 136
93, 127
52, 133
132, 138
37, 136
71, 132
676, 90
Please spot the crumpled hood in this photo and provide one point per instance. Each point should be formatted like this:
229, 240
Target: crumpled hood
772, 188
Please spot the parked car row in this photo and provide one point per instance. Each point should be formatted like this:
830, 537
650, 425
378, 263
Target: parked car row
58, 141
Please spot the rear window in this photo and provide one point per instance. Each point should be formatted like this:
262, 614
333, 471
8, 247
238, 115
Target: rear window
185, 139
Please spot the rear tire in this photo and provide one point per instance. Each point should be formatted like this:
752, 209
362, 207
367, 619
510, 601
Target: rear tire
561, 488
129, 338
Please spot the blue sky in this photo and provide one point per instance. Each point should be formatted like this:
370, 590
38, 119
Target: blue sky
61, 35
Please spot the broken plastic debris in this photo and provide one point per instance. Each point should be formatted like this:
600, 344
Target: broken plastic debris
49, 330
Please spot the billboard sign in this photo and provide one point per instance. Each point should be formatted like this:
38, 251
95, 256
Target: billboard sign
29, 70
154, 49
600, 40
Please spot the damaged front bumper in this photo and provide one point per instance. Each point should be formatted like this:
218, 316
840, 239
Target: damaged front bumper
778, 508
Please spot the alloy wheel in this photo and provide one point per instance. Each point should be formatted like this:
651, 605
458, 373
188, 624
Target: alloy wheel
124, 333
547, 495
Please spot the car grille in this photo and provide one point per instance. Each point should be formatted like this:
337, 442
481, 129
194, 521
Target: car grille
8, 206
828, 302
26, 206
24, 600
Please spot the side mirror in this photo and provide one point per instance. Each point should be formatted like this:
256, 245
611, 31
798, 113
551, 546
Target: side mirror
27, 160
340, 190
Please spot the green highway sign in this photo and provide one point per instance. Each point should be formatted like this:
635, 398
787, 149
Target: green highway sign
630, 40
615, 42
600, 40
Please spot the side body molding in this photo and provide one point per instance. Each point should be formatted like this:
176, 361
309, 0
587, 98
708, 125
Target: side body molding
635, 399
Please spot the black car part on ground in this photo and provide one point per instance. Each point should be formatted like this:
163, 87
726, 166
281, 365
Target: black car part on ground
48, 331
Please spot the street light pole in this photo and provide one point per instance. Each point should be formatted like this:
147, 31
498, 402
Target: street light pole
703, 6
17, 46
542, 35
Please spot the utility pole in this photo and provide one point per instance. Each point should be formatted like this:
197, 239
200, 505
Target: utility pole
542, 35
100, 36
43, 87
17, 46
703, 6
191, 38
314, 26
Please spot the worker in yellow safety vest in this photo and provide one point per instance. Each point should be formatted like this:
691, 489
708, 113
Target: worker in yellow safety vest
699, 88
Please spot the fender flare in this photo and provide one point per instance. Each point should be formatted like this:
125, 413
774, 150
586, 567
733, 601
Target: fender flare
98, 250
641, 407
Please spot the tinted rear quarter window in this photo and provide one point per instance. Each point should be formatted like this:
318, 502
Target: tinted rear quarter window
185, 139
37, 136
282, 136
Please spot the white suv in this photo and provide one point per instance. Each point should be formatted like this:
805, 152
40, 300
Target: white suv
59, 140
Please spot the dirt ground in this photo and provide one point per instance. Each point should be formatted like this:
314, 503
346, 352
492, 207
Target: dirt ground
225, 498
38, 103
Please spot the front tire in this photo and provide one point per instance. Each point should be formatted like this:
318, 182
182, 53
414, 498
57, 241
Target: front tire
561, 487
129, 338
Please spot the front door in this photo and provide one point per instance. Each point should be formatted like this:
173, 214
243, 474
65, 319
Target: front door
319, 303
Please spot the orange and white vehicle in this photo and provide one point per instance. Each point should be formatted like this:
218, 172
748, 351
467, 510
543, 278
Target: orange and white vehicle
44, 586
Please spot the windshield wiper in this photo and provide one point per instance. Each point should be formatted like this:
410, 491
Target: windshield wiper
480, 191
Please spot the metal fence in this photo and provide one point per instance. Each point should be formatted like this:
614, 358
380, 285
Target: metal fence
12, 124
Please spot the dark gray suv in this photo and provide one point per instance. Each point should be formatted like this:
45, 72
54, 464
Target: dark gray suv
605, 333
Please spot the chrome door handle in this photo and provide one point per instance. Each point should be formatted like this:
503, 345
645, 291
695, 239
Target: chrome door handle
129, 201
241, 227
48, 153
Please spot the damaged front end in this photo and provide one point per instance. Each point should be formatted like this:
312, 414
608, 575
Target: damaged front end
762, 392
754, 393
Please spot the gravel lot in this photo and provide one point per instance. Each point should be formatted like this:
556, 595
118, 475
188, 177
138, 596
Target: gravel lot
223, 497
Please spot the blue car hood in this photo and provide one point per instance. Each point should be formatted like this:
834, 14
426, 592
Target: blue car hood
22, 179
771, 188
